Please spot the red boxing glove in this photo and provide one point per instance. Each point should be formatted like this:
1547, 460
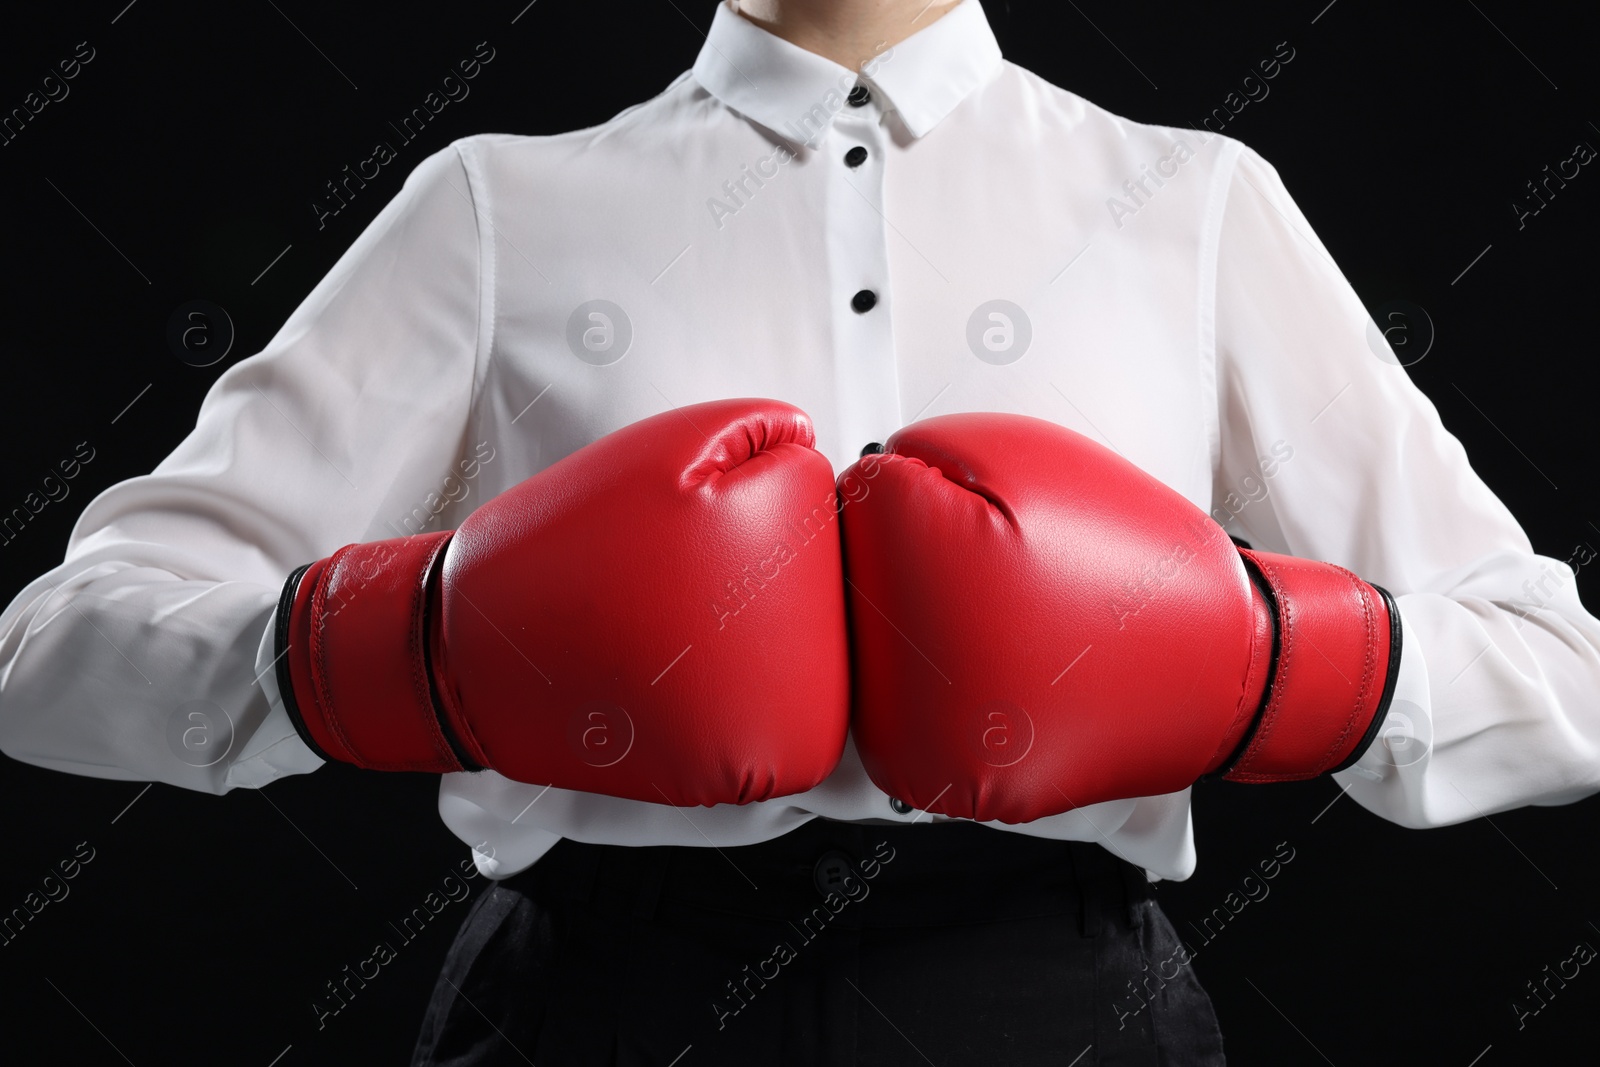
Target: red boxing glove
561, 636
1038, 625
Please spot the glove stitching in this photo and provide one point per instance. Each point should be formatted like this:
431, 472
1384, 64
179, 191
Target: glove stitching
319, 652
1368, 667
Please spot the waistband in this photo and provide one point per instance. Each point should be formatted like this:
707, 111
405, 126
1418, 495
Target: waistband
864, 875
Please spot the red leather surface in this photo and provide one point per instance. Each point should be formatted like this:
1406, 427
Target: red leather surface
362, 686
1332, 660
653, 616
1039, 625
297, 652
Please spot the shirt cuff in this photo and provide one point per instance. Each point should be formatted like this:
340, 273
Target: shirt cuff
274, 750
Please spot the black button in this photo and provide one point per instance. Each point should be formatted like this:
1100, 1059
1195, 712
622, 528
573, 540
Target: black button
855, 157
873, 448
832, 871
865, 300
858, 96
900, 806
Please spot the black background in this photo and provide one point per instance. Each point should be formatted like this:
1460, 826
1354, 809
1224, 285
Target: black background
186, 158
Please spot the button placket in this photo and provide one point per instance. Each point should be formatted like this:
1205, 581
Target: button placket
867, 383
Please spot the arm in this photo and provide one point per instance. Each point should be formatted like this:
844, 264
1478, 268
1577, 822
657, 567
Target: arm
1330, 453
330, 434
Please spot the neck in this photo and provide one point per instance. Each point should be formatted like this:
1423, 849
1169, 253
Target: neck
849, 32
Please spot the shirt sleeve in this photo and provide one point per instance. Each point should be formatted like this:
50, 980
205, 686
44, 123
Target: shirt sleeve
1329, 452
142, 655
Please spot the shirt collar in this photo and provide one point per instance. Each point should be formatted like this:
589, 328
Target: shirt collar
777, 84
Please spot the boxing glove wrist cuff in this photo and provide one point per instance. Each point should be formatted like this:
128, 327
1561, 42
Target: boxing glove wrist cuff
281, 646
354, 657
1335, 659
1371, 734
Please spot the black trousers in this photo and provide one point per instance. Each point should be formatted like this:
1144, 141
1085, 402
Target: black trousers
847, 944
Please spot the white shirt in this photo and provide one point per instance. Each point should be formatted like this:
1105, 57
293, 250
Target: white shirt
1165, 296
